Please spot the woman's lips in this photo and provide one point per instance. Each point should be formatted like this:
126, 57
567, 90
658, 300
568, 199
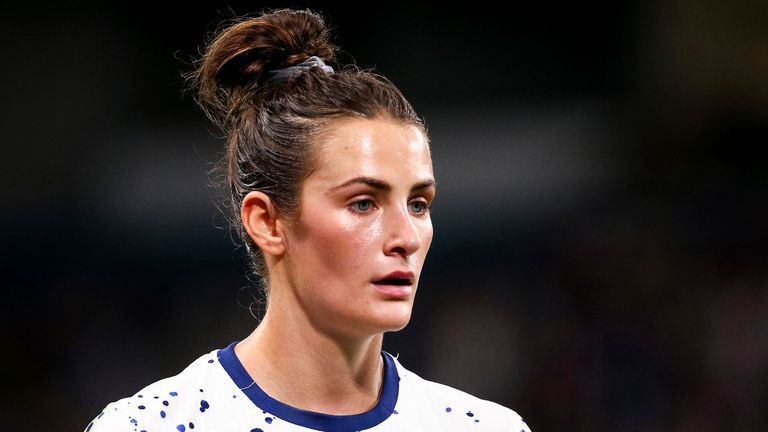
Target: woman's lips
394, 292
395, 285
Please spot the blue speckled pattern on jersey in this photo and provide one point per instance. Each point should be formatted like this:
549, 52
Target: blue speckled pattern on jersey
215, 393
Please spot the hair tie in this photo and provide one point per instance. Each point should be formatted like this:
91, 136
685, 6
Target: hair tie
282, 75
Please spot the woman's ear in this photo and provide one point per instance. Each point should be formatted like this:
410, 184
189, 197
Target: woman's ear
259, 218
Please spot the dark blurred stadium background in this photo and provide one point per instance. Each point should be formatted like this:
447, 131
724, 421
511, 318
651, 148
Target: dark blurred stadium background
601, 252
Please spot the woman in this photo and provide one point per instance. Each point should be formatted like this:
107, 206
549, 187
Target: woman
330, 179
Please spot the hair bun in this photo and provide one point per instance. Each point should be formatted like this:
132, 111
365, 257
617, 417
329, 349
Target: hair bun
240, 54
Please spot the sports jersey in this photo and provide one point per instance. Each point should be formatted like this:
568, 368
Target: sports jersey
215, 393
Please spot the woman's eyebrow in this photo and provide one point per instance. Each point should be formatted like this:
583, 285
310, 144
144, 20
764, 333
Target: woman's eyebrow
381, 184
423, 185
370, 181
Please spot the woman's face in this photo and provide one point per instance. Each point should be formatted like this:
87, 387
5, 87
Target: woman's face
355, 253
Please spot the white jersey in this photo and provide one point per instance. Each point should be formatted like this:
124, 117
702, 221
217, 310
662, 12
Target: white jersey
215, 393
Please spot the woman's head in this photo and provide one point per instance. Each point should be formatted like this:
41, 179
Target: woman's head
272, 124
351, 262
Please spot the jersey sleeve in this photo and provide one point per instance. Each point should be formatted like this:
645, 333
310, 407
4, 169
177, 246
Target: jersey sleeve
111, 420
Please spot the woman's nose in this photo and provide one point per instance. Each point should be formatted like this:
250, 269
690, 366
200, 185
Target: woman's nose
403, 236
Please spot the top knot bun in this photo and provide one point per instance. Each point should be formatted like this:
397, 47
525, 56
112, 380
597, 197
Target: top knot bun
239, 55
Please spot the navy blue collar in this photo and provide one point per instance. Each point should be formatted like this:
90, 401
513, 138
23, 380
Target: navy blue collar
314, 420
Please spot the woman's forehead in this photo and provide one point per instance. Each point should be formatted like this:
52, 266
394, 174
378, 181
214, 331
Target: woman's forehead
365, 141
383, 149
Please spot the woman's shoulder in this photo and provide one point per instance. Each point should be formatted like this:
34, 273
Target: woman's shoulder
171, 399
453, 405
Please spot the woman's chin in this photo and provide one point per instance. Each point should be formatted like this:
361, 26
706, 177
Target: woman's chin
387, 317
394, 316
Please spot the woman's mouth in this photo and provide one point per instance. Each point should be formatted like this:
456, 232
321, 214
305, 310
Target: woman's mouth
396, 285
394, 281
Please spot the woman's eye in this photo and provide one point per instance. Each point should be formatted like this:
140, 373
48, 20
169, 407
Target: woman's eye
418, 207
362, 206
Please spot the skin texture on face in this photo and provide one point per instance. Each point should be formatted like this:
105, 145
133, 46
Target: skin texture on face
354, 255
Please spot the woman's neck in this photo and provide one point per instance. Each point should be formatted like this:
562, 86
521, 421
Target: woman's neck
301, 366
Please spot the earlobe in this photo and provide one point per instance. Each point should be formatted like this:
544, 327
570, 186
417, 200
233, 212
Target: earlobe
259, 218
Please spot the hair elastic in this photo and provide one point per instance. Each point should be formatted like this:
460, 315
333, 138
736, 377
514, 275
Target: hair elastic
282, 75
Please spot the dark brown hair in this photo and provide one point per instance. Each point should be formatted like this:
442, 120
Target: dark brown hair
270, 126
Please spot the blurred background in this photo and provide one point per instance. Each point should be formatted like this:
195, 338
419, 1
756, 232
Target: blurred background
600, 260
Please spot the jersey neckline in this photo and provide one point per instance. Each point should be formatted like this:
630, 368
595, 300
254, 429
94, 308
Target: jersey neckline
310, 419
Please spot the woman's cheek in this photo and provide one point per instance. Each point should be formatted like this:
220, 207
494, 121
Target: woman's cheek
347, 235
428, 232
370, 234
